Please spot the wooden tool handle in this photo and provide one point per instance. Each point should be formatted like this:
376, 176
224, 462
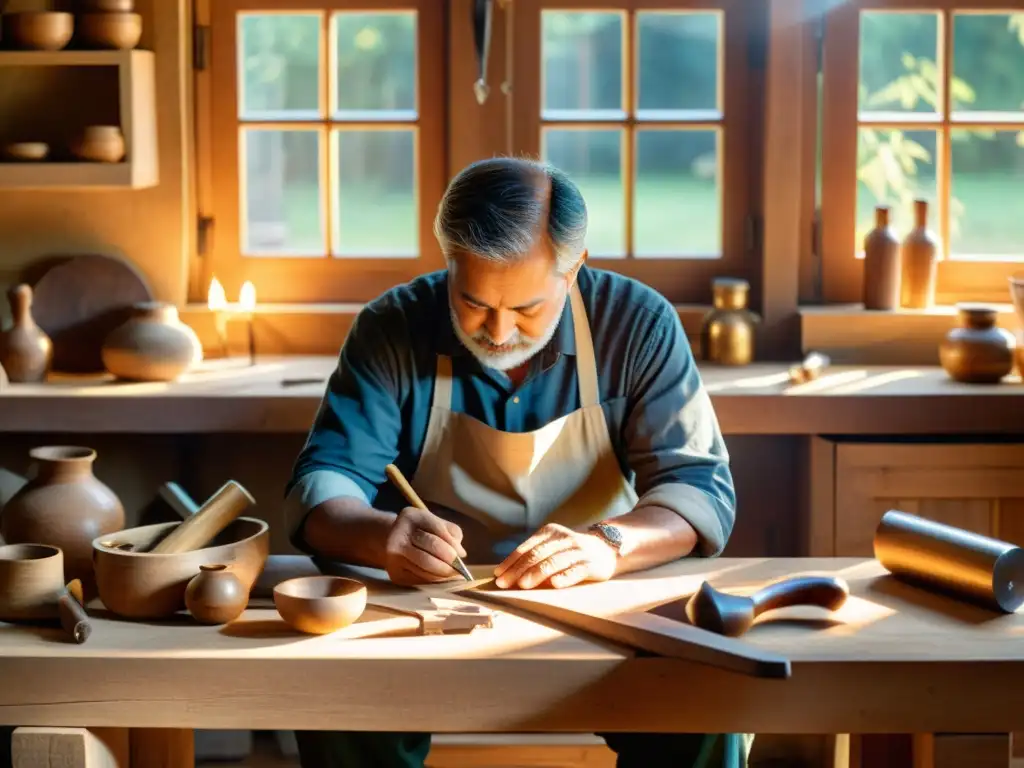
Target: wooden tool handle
73, 618
212, 518
396, 477
828, 592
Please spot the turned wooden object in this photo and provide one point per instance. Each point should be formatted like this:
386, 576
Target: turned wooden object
66, 747
732, 615
214, 516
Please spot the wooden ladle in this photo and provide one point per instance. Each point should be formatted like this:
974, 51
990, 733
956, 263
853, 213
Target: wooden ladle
732, 615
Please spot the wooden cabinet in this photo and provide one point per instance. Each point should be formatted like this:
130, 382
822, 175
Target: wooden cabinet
977, 486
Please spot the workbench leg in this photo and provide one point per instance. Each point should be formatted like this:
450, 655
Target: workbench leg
971, 750
42, 747
163, 748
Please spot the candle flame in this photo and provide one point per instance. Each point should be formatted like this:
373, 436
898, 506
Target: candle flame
247, 297
216, 300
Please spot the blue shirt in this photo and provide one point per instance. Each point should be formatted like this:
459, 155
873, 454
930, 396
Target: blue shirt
377, 401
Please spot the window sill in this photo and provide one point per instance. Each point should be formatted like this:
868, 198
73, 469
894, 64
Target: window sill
851, 335
318, 329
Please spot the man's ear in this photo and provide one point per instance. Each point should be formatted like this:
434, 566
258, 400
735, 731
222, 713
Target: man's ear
570, 276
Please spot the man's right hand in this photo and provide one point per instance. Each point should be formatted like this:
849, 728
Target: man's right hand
421, 548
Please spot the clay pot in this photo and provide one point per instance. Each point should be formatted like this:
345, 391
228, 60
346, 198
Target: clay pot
31, 581
64, 505
27, 151
919, 262
727, 331
318, 605
978, 352
99, 144
26, 352
154, 345
118, 30
38, 30
215, 595
138, 584
882, 268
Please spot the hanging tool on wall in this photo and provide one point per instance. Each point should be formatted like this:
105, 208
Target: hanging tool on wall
483, 13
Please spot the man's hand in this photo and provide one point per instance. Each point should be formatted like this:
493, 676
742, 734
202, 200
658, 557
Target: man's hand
421, 548
558, 556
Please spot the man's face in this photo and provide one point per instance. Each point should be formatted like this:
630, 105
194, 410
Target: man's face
505, 314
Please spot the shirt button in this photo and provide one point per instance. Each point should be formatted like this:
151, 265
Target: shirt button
515, 399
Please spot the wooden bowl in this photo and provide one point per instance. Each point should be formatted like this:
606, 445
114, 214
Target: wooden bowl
31, 580
37, 30
318, 605
112, 31
138, 585
27, 151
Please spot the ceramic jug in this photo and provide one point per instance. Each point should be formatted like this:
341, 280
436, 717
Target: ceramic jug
978, 352
26, 352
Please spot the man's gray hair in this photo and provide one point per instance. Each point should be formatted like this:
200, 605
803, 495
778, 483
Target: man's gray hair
496, 209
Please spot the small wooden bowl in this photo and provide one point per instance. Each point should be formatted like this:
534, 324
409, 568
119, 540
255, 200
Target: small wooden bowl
26, 151
111, 31
38, 30
318, 605
136, 584
31, 580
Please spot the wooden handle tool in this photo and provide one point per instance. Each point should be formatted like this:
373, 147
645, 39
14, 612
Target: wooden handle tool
396, 477
73, 618
213, 517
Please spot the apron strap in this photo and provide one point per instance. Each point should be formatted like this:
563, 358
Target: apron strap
443, 383
586, 362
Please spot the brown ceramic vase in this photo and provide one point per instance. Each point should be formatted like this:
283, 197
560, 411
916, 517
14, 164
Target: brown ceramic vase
25, 350
154, 345
64, 505
728, 330
919, 262
215, 595
882, 264
978, 352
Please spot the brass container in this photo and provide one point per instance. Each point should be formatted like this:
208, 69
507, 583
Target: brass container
978, 352
727, 332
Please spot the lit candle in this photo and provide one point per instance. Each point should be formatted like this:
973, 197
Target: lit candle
217, 303
247, 304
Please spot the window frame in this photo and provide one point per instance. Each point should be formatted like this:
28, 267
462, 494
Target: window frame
842, 269
324, 279
680, 279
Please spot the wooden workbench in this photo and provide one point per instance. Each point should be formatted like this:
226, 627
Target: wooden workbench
893, 660
224, 396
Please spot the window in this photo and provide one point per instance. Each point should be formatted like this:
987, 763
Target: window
327, 138
925, 100
647, 106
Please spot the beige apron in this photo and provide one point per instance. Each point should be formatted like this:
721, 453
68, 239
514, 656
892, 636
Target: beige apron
502, 486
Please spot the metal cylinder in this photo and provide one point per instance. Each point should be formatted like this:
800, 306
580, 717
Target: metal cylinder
932, 555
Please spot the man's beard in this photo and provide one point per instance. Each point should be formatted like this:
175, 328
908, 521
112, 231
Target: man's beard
514, 352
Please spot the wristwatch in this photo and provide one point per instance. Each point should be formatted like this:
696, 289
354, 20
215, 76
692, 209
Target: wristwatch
610, 533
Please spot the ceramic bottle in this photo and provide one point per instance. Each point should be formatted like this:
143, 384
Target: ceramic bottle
63, 504
919, 256
215, 595
727, 332
153, 345
882, 268
26, 352
978, 352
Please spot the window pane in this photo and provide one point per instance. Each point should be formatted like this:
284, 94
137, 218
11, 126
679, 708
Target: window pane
593, 159
898, 72
678, 63
988, 62
582, 55
281, 188
279, 70
895, 167
375, 196
987, 211
376, 65
678, 203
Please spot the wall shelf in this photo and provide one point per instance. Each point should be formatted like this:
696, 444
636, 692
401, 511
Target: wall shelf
137, 111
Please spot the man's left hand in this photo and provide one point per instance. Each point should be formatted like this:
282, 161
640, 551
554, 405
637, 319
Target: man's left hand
558, 556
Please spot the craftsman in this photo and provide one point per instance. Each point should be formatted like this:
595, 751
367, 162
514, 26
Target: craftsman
549, 414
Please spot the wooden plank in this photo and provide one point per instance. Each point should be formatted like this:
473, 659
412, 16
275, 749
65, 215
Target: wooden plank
972, 750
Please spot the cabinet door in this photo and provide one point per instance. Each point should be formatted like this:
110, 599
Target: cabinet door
976, 487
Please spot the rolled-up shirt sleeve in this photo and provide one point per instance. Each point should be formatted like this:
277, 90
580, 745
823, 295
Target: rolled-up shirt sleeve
356, 429
672, 437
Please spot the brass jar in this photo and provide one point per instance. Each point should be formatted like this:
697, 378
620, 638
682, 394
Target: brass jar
978, 352
727, 332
